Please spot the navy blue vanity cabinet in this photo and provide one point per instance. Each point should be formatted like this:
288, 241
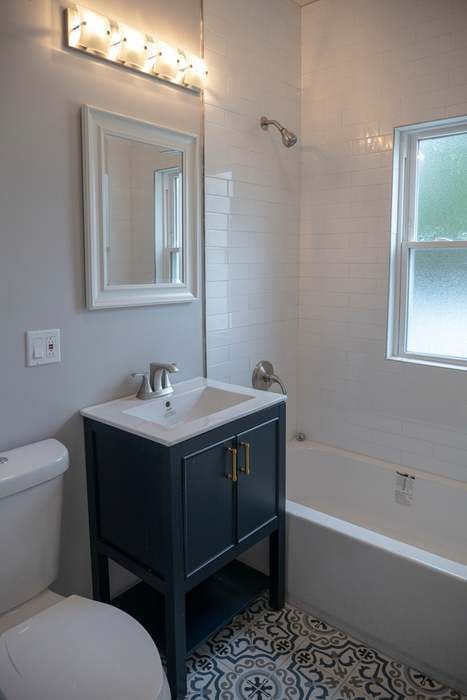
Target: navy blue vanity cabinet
179, 517
258, 477
210, 505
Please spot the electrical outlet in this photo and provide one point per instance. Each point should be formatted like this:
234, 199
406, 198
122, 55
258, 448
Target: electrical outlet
43, 347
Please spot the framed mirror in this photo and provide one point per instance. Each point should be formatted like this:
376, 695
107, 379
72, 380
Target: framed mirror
141, 211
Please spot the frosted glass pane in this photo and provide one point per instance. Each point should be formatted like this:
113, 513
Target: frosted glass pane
437, 313
442, 188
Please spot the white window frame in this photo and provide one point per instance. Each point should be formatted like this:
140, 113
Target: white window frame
403, 231
168, 198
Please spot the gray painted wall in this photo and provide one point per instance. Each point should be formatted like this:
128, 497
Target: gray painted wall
42, 87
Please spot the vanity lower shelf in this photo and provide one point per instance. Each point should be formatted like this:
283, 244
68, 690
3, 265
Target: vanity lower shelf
209, 606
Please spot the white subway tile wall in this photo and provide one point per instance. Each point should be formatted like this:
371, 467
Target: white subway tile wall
368, 66
252, 189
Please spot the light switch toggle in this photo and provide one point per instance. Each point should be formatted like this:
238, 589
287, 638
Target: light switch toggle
37, 349
43, 347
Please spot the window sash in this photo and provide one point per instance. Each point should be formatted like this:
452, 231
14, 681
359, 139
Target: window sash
403, 240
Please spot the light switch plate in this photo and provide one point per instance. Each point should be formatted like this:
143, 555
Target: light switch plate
43, 347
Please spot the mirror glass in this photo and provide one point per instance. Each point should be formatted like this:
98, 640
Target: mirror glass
141, 211
144, 229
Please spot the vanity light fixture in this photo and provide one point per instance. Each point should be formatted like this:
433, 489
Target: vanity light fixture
90, 32
133, 48
169, 62
195, 73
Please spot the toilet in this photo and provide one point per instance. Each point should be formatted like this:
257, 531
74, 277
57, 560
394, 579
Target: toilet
51, 647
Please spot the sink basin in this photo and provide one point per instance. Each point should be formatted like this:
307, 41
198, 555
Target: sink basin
187, 406
196, 406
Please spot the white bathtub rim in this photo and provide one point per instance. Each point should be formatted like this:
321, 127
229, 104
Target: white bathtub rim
395, 547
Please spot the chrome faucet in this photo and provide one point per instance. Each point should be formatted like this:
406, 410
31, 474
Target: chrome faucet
156, 382
159, 377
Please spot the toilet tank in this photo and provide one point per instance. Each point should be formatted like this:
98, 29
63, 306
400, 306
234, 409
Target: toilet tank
30, 518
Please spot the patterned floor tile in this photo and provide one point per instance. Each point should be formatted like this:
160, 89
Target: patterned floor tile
334, 656
255, 610
381, 678
287, 618
273, 634
250, 679
259, 632
206, 678
289, 655
416, 685
221, 644
375, 679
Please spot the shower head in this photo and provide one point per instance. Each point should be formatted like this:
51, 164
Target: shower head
288, 137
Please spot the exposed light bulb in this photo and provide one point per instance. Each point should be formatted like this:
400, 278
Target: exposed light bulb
94, 31
196, 73
133, 48
167, 63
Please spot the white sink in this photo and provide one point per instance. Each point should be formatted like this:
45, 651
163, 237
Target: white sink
184, 407
196, 406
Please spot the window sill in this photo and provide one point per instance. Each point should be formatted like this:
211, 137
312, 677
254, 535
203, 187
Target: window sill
427, 362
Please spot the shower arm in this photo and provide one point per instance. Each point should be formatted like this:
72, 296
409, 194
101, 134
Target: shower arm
265, 122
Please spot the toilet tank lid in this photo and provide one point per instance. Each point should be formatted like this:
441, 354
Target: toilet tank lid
28, 466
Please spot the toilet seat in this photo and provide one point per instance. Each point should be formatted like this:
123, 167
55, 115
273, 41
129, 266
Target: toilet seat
79, 649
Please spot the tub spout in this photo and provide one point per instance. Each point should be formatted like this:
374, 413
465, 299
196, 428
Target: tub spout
264, 377
275, 380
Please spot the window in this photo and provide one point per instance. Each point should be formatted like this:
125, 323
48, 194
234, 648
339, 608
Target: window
169, 224
428, 281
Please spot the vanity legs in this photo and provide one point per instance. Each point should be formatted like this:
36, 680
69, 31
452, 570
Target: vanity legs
100, 577
175, 635
175, 604
277, 568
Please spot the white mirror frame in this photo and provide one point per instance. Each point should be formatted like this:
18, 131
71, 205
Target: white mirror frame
96, 123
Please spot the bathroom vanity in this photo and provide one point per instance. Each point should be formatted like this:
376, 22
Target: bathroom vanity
178, 489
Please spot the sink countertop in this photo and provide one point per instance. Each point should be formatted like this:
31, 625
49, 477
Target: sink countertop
118, 413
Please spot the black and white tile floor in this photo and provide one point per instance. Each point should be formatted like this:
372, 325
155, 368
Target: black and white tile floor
288, 655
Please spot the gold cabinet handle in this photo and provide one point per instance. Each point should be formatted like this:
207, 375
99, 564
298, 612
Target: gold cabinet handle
233, 476
246, 451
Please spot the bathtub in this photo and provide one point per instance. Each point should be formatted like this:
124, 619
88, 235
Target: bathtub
381, 555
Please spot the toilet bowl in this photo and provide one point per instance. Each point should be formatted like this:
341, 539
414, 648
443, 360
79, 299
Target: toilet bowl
54, 648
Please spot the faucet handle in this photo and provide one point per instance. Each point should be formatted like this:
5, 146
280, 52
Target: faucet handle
145, 390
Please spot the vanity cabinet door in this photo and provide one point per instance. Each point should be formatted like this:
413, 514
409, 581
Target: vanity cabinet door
209, 504
258, 477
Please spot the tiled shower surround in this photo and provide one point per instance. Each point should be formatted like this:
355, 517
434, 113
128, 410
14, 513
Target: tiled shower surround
267, 655
366, 67
252, 188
